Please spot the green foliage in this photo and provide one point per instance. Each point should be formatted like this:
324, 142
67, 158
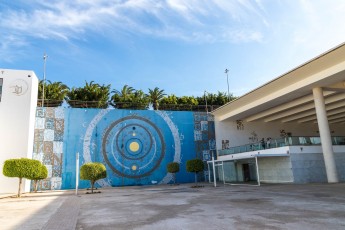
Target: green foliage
155, 96
217, 99
129, 98
173, 167
93, 171
92, 95
43, 174
22, 168
54, 93
195, 165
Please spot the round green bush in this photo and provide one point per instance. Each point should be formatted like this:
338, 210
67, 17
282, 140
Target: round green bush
173, 167
22, 168
93, 171
195, 165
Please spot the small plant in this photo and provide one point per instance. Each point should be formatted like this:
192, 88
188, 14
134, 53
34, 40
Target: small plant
93, 171
22, 168
173, 167
195, 165
43, 173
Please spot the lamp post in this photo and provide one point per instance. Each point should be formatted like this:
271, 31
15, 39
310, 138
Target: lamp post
227, 80
205, 100
45, 56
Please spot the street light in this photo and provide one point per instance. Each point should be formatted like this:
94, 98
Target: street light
205, 100
227, 80
45, 56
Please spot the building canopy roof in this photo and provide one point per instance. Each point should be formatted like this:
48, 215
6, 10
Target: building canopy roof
289, 97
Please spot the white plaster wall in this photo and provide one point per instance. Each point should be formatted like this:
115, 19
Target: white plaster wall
17, 120
227, 130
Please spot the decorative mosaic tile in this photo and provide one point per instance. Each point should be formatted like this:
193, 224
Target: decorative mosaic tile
197, 126
57, 147
39, 135
38, 156
204, 125
56, 171
210, 118
47, 159
59, 125
40, 112
49, 135
50, 124
58, 135
212, 144
197, 135
50, 112
45, 184
196, 117
38, 147
59, 113
204, 136
206, 155
50, 170
39, 123
48, 147
55, 183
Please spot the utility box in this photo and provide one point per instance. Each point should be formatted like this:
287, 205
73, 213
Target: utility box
18, 101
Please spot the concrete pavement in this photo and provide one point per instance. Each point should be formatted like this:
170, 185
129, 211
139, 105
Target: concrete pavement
310, 206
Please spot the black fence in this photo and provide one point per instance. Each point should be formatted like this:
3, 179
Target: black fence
124, 105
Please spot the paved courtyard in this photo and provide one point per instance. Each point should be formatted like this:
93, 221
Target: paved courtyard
311, 206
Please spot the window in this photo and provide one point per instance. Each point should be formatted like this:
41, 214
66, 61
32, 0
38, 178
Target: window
1, 80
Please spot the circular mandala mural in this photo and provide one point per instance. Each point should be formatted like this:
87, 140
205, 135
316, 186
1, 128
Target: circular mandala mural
133, 147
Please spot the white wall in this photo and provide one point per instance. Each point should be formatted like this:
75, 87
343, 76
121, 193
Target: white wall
227, 130
17, 120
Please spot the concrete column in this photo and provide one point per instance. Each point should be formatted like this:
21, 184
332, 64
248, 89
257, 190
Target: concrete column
325, 136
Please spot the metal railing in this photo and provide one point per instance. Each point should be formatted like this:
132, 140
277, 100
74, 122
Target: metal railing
280, 142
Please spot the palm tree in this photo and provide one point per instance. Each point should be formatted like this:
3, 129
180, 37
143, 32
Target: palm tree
54, 93
92, 95
139, 100
126, 97
155, 96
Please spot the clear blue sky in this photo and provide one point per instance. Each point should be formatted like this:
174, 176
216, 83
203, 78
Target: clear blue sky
181, 46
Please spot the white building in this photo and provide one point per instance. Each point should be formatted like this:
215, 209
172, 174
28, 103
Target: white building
18, 100
302, 111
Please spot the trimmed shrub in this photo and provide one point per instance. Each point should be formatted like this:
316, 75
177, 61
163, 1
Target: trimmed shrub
173, 167
93, 171
195, 165
43, 174
22, 168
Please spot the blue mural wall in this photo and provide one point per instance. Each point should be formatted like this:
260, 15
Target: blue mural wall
135, 145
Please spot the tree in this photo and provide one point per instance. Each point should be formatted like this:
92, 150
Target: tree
173, 167
22, 168
129, 98
93, 171
195, 165
54, 93
92, 95
43, 174
155, 96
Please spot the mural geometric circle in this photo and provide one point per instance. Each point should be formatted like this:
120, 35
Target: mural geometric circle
133, 146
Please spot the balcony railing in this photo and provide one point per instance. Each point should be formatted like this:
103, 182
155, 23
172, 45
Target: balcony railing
279, 142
